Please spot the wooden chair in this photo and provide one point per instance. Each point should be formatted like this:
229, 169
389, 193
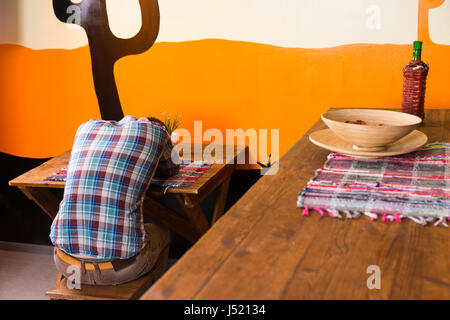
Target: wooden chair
127, 291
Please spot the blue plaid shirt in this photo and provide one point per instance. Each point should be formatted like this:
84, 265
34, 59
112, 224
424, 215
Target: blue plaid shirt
110, 169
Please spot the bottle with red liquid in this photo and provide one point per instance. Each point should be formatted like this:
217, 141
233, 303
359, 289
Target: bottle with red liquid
414, 83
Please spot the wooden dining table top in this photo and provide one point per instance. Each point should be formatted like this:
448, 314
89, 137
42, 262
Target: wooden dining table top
36, 177
263, 248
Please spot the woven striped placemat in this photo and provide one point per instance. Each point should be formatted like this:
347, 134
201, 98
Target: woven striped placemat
414, 186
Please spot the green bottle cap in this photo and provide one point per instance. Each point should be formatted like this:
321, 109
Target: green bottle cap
417, 45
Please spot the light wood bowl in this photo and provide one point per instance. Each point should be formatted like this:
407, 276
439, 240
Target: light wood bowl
372, 136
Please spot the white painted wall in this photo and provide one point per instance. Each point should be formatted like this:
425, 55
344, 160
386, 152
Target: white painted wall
124, 16
31, 23
286, 23
291, 23
439, 22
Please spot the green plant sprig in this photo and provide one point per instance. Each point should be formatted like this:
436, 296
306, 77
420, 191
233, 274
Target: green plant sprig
172, 123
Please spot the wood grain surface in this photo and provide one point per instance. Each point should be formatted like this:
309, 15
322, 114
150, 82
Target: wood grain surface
35, 177
263, 248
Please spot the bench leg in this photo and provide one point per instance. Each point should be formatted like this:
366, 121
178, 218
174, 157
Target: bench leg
59, 278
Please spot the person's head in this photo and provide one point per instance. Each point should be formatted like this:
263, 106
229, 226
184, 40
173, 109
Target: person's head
158, 121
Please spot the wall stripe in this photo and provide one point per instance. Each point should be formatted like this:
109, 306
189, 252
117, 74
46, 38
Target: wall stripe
48, 93
284, 23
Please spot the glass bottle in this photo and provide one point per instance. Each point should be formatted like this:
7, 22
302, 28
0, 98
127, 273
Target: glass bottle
414, 83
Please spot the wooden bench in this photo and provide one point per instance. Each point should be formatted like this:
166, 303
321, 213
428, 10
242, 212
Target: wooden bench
127, 291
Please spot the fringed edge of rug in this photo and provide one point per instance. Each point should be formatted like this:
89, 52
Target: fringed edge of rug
385, 217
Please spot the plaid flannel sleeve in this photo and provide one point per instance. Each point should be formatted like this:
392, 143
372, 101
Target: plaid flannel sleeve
166, 167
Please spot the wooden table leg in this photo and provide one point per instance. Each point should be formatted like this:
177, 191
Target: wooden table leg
221, 200
196, 224
195, 214
170, 219
44, 198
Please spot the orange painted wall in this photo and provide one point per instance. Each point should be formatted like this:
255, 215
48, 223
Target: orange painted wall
46, 94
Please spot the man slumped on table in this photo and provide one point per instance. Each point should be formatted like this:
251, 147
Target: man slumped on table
100, 217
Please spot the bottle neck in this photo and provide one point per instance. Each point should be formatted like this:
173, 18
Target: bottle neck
417, 50
417, 55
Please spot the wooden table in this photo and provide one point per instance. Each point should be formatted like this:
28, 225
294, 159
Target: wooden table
263, 248
34, 186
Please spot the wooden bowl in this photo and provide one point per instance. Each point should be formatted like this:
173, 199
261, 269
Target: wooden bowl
381, 127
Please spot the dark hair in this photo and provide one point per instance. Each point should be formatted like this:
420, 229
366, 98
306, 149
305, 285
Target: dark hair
158, 121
